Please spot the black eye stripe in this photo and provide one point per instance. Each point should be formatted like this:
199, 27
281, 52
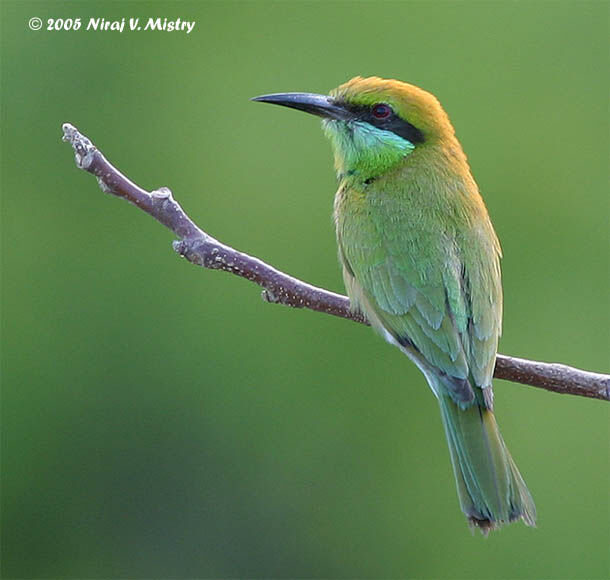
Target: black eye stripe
392, 123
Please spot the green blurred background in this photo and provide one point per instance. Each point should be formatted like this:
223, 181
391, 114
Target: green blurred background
161, 421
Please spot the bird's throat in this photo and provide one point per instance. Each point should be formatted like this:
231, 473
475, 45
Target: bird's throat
364, 152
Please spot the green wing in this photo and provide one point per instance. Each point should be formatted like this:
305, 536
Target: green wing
429, 282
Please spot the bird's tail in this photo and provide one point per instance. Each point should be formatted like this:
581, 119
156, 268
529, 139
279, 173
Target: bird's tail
490, 487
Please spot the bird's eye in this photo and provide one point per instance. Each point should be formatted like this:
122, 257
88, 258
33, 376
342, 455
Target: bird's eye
382, 111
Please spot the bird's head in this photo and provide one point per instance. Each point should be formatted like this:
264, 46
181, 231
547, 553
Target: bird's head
374, 124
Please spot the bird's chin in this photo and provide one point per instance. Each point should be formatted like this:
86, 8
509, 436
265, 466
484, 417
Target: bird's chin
334, 123
337, 129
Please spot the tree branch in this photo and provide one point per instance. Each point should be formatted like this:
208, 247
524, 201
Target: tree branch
202, 249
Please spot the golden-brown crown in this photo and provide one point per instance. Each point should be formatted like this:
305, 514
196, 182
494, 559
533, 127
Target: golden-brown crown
420, 108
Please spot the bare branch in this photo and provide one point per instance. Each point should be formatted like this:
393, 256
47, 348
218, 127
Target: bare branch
202, 249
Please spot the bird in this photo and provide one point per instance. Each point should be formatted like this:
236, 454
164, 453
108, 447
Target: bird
421, 262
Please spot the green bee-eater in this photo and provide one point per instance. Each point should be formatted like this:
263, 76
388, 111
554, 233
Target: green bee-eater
421, 261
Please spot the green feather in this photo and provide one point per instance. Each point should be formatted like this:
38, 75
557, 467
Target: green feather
490, 489
427, 276
422, 262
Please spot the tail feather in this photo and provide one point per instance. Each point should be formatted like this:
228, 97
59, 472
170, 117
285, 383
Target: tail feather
490, 488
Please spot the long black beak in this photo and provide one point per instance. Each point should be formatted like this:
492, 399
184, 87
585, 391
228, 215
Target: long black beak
320, 105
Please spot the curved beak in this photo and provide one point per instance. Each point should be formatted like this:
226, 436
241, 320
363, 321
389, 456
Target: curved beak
319, 105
